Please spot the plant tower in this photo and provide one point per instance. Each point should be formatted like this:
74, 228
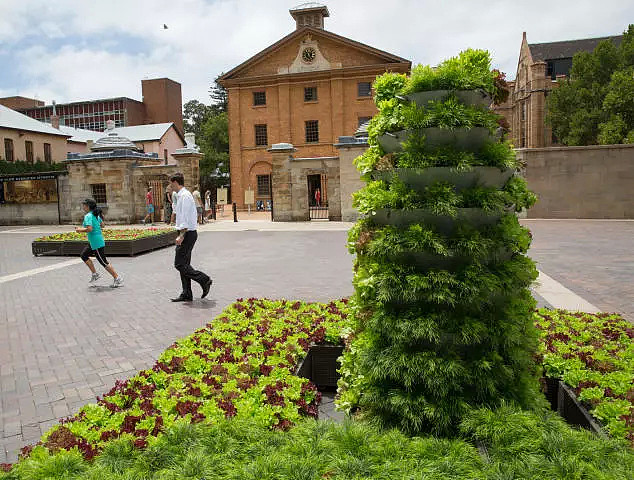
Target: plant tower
443, 311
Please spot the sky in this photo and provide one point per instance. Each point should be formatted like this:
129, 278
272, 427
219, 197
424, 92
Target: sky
71, 50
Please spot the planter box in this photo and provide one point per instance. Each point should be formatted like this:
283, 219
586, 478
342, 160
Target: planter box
478, 98
113, 247
441, 262
573, 412
472, 139
320, 366
442, 223
419, 178
551, 392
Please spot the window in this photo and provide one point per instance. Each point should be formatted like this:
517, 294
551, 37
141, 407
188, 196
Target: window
310, 94
98, 191
364, 89
8, 149
165, 155
264, 186
47, 152
312, 131
28, 146
261, 137
259, 98
363, 120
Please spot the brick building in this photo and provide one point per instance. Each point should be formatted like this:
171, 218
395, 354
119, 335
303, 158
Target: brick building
162, 103
307, 89
538, 68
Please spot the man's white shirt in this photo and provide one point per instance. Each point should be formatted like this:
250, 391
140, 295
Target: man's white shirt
186, 214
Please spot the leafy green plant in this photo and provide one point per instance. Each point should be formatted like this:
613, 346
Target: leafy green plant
442, 316
594, 354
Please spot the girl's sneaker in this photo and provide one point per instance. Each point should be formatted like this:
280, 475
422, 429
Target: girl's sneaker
95, 276
118, 282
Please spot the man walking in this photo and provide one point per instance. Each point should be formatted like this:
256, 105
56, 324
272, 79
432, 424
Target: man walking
186, 224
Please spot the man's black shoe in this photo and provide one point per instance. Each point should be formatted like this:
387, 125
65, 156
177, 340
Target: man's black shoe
206, 288
180, 298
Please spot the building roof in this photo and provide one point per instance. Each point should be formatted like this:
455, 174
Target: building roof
80, 135
144, 133
17, 121
317, 32
567, 48
135, 133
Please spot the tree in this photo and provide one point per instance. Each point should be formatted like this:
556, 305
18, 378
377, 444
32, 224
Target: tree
195, 114
596, 104
210, 125
219, 96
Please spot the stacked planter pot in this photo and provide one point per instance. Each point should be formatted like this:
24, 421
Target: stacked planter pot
443, 308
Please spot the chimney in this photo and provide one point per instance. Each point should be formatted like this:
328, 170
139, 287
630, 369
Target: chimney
309, 15
54, 117
190, 140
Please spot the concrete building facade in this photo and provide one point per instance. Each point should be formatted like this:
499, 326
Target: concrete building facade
308, 89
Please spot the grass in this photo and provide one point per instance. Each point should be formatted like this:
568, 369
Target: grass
520, 445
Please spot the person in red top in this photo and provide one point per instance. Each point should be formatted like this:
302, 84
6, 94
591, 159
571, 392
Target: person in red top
149, 205
318, 197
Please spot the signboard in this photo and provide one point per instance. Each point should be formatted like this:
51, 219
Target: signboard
28, 176
249, 197
221, 196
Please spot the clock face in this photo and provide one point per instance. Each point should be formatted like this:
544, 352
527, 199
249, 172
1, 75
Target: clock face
309, 54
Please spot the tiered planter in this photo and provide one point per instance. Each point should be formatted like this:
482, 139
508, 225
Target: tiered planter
439, 333
563, 400
113, 247
320, 366
460, 138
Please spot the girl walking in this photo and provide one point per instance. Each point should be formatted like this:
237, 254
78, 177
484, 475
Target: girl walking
93, 221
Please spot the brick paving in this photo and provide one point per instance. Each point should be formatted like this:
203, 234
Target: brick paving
62, 343
593, 258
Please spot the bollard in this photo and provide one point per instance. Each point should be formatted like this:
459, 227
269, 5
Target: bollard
235, 211
213, 210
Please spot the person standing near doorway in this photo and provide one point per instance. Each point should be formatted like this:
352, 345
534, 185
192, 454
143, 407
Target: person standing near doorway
317, 197
93, 221
149, 205
186, 224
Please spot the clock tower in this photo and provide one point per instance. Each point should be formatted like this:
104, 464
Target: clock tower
310, 14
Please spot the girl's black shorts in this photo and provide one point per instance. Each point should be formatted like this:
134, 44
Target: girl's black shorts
99, 253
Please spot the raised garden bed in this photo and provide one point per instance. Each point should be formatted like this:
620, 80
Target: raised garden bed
321, 366
140, 241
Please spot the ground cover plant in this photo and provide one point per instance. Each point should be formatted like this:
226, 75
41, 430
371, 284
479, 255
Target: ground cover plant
242, 365
442, 311
503, 444
108, 233
594, 354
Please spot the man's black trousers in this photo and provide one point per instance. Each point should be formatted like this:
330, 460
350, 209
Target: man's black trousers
182, 263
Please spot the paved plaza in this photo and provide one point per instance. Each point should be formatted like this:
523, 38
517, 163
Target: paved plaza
62, 343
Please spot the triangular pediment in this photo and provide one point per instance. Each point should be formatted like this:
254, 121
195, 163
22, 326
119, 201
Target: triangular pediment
310, 49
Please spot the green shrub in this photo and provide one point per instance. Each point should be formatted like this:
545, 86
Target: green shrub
442, 317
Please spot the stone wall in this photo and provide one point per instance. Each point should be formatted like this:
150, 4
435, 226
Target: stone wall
350, 179
27, 214
581, 182
290, 185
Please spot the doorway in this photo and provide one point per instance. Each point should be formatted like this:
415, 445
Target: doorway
317, 197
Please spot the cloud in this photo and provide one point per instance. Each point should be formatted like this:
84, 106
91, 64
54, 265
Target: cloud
73, 50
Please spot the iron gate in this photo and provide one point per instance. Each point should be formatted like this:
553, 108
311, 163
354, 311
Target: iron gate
318, 212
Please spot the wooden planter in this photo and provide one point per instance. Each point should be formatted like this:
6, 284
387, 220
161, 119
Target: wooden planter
320, 366
419, 178
574, 412
113, 247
